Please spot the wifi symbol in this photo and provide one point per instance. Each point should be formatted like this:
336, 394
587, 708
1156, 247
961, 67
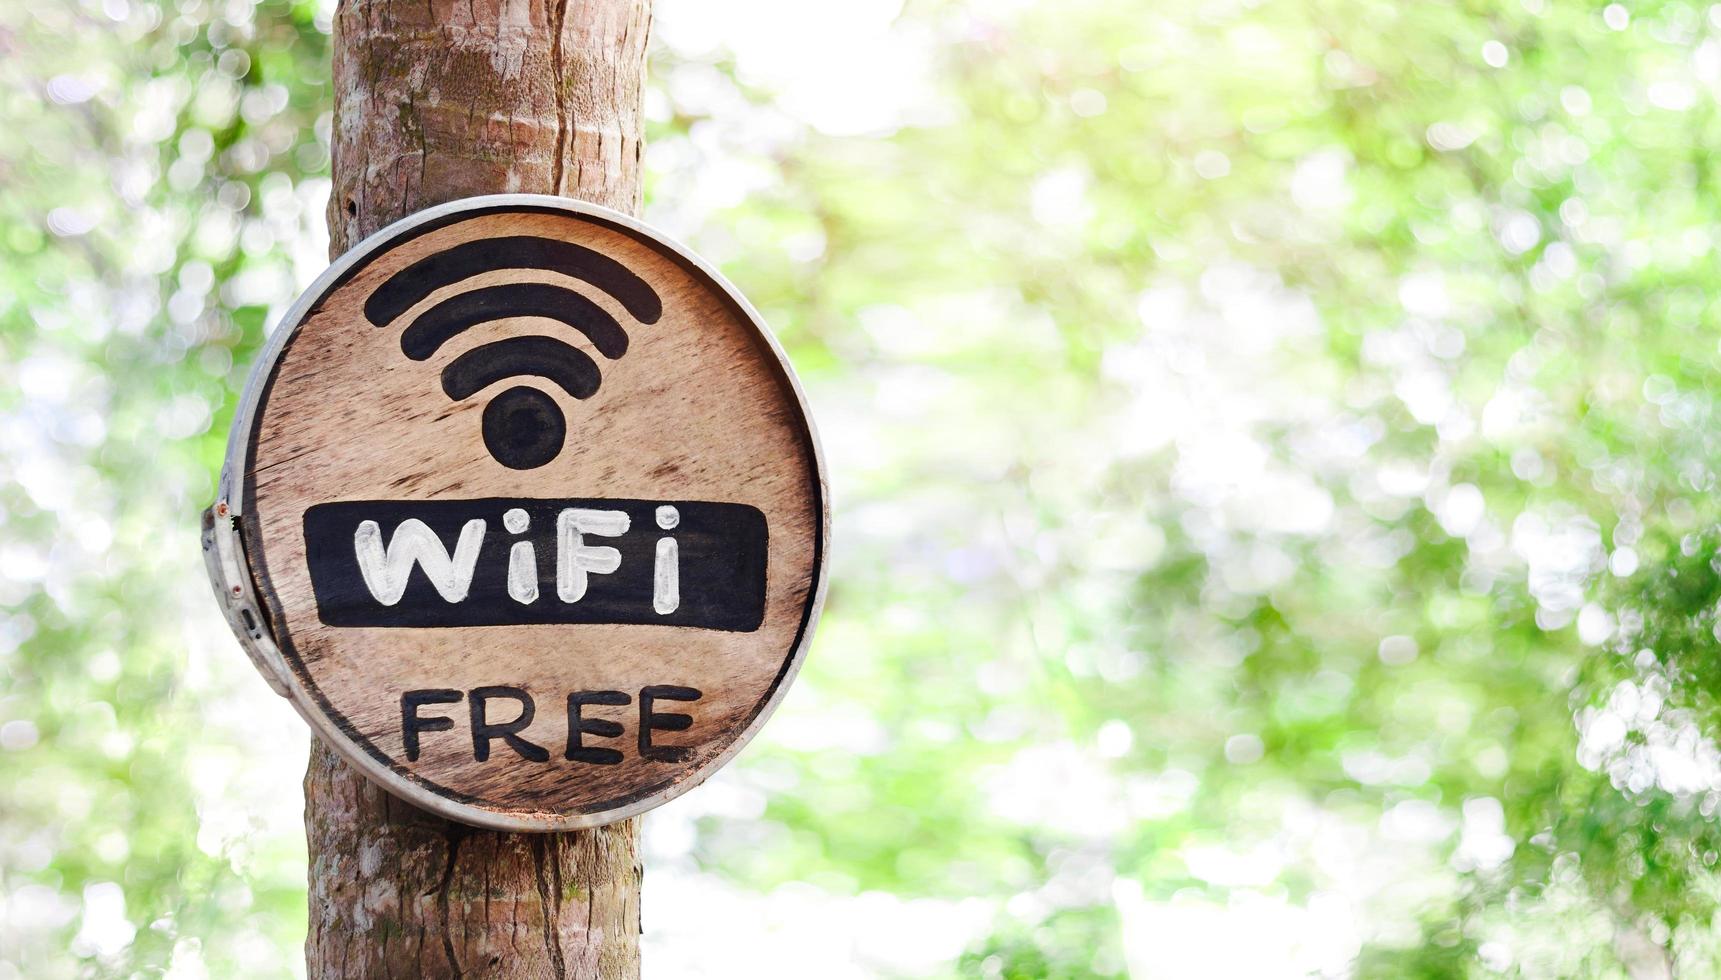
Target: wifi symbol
523, 427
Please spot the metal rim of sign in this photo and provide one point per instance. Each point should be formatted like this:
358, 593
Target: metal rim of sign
231, 572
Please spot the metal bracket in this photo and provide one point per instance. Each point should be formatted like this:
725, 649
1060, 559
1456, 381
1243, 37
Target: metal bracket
229, 575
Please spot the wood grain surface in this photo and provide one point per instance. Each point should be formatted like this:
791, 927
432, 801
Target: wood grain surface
699, 408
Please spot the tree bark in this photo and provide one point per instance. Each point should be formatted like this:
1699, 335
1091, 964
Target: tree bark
437, 100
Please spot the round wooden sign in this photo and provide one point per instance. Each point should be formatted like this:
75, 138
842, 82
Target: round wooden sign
524, 511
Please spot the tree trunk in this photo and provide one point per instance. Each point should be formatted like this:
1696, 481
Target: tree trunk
437, 100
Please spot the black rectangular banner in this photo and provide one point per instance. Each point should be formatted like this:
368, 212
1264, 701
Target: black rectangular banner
504, 562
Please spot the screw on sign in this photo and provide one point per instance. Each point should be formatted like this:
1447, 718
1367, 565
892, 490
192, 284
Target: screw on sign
524, 512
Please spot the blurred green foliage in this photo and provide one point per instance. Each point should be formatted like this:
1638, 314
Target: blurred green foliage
1271, 446
150, 157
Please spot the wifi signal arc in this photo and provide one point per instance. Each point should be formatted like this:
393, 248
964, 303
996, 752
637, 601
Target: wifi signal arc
408, 287
543, 357
453, 316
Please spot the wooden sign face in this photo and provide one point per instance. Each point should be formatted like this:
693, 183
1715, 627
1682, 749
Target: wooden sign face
532, 511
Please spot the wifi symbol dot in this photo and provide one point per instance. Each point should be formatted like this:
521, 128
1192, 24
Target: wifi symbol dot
523, 428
